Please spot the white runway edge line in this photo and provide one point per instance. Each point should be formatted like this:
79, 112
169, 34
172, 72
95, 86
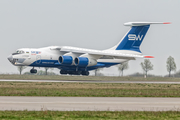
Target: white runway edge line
7, 80
85, 103
90, 103
90, 81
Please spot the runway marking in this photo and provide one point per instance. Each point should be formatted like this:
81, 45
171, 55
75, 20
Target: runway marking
90, 81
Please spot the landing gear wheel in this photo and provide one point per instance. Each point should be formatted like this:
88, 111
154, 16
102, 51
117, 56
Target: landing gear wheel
63, 72
74, 72
85, 73
33, 71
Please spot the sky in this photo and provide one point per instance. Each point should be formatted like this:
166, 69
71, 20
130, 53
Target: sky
94, 24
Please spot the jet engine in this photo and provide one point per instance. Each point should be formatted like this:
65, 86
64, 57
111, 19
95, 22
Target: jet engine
84, 61
66, 60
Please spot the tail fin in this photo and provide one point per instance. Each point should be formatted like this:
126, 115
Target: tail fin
133, 39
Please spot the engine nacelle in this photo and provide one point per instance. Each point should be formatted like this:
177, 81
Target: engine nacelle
65, 60
84, 61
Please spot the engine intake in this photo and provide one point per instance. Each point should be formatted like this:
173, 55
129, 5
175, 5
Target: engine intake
84, 61
66, 60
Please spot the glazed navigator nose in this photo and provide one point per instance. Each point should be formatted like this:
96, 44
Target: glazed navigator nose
10, 58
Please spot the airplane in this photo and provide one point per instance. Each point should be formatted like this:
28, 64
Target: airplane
79, 61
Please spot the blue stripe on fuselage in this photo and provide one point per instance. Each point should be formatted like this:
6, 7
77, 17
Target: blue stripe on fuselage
55, 63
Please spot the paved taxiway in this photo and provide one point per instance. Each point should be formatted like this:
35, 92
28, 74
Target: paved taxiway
89, 103
90, 81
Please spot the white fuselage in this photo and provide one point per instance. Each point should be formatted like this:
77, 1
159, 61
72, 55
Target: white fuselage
48, 57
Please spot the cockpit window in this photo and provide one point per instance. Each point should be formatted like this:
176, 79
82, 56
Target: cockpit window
19, 52
22, 51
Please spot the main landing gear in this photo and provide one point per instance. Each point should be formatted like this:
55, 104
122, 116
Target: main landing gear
33, 70
85, 73
63, 72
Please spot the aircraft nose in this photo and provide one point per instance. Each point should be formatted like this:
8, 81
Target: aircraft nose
10, 58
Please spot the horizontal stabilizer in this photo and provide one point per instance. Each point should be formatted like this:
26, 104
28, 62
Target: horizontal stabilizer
144, 23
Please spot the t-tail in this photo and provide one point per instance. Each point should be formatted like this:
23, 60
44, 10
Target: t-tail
134, 37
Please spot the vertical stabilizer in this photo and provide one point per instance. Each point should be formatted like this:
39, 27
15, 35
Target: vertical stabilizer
133, 39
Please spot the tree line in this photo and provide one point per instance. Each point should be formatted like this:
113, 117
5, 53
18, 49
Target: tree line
147, 66
41, 72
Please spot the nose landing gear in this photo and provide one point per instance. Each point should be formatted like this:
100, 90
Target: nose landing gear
33, 70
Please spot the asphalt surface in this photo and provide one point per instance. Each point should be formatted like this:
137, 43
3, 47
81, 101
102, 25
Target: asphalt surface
89, 103
90, 81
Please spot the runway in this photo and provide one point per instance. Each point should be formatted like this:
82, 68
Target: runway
90, 103
90, 81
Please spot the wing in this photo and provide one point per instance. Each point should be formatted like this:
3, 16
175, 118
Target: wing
100, 54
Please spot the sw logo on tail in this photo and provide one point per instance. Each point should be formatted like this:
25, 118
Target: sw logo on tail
134, 37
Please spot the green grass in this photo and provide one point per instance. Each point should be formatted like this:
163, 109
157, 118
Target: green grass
60, 77
88, 115
89, 89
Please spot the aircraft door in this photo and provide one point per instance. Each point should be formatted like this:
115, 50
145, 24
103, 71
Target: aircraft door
38, 59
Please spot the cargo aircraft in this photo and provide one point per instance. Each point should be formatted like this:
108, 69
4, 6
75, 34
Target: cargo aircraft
79, 61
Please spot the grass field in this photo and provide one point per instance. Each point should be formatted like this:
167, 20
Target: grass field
88, 115
89, 89
60, 77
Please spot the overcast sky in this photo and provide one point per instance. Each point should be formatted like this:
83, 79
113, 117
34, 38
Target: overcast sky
95, 24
